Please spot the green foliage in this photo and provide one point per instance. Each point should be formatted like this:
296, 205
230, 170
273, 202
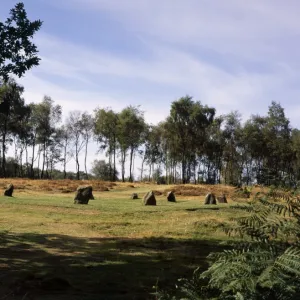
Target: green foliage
187, 125
130, 135
266, 265
13, 116
103, 170
17, 53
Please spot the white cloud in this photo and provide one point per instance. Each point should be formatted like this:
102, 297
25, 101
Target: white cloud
172, 67
243, 28
233, 55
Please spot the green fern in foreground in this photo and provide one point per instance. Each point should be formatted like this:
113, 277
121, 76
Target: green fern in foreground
266, 267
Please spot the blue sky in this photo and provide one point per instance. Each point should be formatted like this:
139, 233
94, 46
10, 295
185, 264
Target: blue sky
233, 55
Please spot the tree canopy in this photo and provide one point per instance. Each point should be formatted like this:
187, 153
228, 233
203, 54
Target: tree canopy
18, 53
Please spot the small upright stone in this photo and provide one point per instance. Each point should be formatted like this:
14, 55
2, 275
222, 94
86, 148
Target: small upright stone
134, 196
9, 190
222, 199
83, 195
210, 199
149, 198
171, 197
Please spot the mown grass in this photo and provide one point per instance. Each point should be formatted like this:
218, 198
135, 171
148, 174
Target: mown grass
112, 248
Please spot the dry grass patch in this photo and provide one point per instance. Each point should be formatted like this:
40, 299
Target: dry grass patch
63, 186
114, 247
200, 190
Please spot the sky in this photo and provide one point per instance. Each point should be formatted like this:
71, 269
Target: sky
232, 55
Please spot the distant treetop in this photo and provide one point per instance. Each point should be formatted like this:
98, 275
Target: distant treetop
17, 52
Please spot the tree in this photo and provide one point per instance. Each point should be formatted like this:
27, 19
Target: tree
17, 53
231, 156
296, 151
210, 163
131, 126
152, 148
265, 265
65, 144
12, 111
188, 122
102, 170
33, 125
87, 124
105, 131
74, 125
255, 148
47, 116
277, 135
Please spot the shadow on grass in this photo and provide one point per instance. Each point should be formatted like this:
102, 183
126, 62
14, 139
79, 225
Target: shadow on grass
36, 266
203, 208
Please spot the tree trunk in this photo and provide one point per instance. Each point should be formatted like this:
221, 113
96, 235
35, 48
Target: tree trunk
114, 175
21, 174
77, 163
26, 157
130, 164
65, 160
39, 158
4, 148
3, 155
123, 155
85, 157
44, 158
110, 165
32, 160
142, 168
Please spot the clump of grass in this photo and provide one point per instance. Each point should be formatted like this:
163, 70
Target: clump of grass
120, 236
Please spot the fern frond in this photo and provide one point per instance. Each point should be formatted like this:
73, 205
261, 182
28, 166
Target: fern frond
247, 207
289, 261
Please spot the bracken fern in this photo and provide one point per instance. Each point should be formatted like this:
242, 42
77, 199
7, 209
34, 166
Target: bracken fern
266, 266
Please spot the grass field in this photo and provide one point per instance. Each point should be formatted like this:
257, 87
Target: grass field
112, 248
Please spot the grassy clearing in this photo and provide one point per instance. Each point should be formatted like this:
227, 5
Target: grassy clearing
113, 248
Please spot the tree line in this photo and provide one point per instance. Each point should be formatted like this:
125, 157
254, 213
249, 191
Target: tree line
193, 144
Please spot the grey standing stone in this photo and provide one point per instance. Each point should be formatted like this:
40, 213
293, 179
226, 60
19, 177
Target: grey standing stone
210, 199
171, 197
149, 198
222, 199
83, 195
134, 196
9, 190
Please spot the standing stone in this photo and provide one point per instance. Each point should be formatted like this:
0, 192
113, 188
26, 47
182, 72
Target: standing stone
210, 199
149, 198
9, 190
134, 196
222, 199
171, 197
83, 195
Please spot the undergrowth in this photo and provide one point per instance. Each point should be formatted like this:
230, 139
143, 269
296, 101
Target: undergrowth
266, 265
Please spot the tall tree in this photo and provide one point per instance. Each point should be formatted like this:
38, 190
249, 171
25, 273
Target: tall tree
76, 133
65, 144
152, 145
12, 111
131, 126
279, 144
87, 124
47, 117
255, 148
105, 130
17, 53
210, 162
189, 121
232, 170
102, 170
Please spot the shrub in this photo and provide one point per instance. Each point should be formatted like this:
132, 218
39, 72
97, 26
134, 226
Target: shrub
265, 266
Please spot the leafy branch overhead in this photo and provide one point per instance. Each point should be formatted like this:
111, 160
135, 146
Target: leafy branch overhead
17, 52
